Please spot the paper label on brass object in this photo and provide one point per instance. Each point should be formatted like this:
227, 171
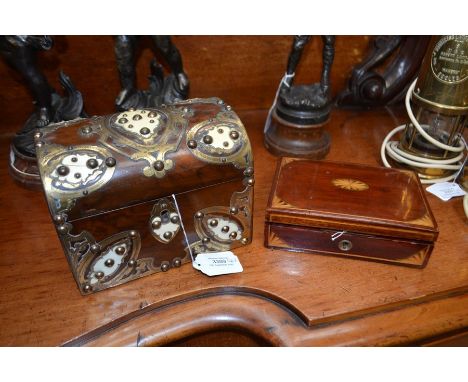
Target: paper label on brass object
217, 263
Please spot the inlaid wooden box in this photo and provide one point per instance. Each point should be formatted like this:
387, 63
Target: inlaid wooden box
122, 188
350, 210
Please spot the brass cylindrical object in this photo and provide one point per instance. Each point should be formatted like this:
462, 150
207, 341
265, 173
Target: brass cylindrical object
442, 84
440, 100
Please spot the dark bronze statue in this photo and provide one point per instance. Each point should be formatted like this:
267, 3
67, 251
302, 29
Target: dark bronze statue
294, 127
161, 90
314, 99
20, 53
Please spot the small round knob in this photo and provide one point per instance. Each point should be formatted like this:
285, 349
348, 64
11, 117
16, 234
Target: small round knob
59, 219
192, 144
120, 251
62, 229
208, 139
110, 162
109, 263
234, 134
177, 262
92, 163
158, 165
95, 248
132, 263
63, 170
87, 130
165, 266
144, 131
249, 171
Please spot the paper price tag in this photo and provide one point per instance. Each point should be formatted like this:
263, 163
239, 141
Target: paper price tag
217, 263
446, 190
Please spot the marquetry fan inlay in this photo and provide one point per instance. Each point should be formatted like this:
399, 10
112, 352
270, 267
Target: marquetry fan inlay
350, 184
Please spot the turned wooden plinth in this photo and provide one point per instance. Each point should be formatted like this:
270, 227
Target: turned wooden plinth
283, 138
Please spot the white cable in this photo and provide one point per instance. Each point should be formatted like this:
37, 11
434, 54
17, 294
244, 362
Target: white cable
391, 148
416, 124
465, 204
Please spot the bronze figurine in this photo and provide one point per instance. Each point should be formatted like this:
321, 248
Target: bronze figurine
161, 90
20, 54
295, 124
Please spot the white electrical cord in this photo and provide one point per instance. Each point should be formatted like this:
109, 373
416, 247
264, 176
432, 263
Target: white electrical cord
393, 151
465, 205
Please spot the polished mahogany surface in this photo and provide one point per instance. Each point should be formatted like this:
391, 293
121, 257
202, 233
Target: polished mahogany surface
365, 199
281, 298
386, 194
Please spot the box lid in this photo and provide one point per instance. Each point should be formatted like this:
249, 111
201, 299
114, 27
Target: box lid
350, 197
92, 166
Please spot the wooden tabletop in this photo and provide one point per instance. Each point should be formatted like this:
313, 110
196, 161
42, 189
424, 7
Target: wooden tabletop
281, 298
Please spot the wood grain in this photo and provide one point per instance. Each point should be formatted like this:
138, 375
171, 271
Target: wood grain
283, 298
273, 324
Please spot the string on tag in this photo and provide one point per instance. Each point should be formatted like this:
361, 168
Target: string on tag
183, 228
336, 235
284, 81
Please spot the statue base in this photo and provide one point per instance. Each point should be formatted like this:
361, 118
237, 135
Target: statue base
23, 164
162, 90
23, 169
284, 138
